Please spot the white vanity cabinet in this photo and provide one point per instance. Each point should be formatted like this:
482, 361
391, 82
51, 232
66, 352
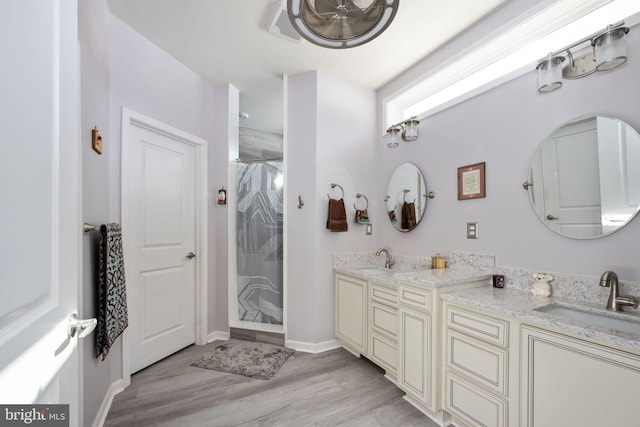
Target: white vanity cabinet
383, 328
477, 367
417, 344
351, 312
568, 381
366, 320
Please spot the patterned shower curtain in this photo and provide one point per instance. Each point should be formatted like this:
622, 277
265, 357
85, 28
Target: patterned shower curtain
259, 242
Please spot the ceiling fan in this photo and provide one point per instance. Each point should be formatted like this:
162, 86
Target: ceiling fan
340, 24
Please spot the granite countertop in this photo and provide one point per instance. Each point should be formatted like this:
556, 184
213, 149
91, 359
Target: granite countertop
521, 305
430, 278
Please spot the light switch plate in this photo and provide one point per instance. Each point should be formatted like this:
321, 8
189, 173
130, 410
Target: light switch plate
472, 230
369, 229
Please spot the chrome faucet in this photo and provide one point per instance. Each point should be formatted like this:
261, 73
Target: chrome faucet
609, 279
388, 263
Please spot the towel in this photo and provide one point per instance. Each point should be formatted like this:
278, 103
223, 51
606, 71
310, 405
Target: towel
408, 216
112, 293
392, 217
337, 217
362, 216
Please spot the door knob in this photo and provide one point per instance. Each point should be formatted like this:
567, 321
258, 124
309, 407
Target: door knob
191, 255
83, 326
551, 217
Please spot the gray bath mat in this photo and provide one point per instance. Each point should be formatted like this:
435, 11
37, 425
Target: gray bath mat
251, 359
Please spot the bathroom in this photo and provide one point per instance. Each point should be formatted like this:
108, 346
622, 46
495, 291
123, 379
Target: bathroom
342, 124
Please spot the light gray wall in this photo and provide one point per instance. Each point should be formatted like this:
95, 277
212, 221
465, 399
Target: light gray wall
329, 139
503, 128
121, 68
93, 28
225, 124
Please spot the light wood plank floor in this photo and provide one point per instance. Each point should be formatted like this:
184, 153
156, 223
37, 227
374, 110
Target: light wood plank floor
327, 389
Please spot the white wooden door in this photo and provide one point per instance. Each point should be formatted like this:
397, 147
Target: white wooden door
572, 181
160, 230
40, 225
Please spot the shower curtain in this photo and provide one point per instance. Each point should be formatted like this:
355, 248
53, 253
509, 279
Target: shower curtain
259, 220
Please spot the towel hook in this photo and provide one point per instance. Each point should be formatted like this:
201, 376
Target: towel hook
341, 189
365, 199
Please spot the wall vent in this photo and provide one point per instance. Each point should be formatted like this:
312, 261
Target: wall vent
280, 25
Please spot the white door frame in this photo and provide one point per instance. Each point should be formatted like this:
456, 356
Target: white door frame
130, 118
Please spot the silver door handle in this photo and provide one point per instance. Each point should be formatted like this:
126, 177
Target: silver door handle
191, 255
551, 217
83, 326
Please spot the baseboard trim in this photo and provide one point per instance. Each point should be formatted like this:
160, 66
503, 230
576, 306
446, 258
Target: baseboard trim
217, 335
308, 347
115, 388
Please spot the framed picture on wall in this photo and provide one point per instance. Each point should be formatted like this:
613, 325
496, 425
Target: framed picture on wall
471, 181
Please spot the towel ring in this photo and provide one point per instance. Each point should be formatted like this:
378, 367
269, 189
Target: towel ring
365, 199
341, 189
404, 196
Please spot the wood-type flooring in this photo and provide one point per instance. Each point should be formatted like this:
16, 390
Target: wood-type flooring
333, 388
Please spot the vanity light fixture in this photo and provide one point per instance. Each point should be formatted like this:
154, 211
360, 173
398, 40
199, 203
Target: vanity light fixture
550, 73
603, 51
341, 24
406, 130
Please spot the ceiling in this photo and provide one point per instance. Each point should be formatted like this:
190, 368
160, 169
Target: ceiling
228, 41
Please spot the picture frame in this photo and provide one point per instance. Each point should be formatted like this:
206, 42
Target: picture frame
471, 181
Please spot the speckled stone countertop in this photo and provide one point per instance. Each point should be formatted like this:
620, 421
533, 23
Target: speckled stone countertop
522, 305
442, 277
430, 278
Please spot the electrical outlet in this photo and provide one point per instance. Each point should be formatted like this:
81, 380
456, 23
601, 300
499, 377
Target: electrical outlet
472, 230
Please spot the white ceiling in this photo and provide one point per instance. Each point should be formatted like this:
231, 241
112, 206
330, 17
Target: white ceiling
228, 41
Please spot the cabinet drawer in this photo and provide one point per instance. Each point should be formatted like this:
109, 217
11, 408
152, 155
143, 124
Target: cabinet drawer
383, 294
384, 319
384, 352
486, 328
422, 299
473, 404
485, 363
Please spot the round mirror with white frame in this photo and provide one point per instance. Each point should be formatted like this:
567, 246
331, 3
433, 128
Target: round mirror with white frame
584, 179
406, 198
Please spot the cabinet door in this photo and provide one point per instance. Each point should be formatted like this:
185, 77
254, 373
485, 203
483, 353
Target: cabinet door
414, 342
351, 321
571, 382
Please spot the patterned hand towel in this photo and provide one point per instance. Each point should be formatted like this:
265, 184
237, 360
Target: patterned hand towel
337, 217
112, 293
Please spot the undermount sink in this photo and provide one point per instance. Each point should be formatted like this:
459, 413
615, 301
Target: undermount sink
603, 320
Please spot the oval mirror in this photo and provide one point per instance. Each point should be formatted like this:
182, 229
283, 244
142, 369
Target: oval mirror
584, 180
406, 197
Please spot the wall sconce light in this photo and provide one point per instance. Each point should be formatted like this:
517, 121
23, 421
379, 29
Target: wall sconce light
406, 130
610, 49
603, 51
550, 73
